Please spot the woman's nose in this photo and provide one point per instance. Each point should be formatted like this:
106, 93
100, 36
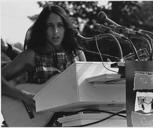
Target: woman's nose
56, 30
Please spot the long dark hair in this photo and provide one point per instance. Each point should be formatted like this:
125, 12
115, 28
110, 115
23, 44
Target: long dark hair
37, 33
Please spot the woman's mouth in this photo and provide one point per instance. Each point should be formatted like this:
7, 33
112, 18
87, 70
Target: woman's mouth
56, 39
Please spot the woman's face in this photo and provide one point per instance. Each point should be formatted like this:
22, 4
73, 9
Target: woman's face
55, 29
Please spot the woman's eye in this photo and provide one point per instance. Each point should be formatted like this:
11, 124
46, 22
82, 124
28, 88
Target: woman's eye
49, 25
60, 25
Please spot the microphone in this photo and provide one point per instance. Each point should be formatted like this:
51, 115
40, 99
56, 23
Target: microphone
104, 18
113, 25
105, 29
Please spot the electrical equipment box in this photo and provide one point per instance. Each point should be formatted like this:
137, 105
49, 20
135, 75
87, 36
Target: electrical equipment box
139, 93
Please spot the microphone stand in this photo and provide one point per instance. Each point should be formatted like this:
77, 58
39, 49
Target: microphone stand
126, 33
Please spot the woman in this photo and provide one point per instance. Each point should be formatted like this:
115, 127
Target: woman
50, 49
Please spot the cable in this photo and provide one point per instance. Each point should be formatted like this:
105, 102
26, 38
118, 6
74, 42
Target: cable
113, 35
116, 40
130, 55
144, 38
150, 43
128, 32
87, 111
119, 46
101, 36
113, 114
135, 50
148, 34
102, 57
133, 47
107, 55
91, 110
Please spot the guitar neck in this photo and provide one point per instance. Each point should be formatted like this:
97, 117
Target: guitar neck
29, 110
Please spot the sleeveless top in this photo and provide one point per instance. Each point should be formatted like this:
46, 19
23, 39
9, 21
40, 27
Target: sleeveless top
47, 65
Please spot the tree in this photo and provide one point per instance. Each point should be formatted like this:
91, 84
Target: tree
133, 13
125, 12
146, 15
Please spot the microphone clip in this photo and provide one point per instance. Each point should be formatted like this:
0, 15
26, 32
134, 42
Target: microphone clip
121, 66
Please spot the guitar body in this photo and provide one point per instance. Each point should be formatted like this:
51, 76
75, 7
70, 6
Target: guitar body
16, 115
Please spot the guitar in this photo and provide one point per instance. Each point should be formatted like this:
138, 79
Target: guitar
16, 114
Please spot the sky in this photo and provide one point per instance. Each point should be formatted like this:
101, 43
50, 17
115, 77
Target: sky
14, 21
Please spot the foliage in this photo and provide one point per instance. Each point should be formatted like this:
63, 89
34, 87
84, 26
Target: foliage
123, 12
146, 15
127, 13
133, 13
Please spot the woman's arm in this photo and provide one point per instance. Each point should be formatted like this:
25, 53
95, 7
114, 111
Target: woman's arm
20, 64
9, 90
13, 92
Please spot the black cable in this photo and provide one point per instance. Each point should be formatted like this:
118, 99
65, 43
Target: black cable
87, 110
150, 44
114, 114
134, 48
61, 114
92, 110
103, 54
102, 58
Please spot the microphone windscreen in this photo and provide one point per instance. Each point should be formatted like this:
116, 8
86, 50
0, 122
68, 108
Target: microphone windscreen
102, 16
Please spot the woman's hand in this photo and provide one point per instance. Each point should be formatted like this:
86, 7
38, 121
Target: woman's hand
9, 90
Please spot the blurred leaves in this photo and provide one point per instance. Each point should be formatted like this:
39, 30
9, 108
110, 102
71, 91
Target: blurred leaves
127, 13
133, 13
146, 14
